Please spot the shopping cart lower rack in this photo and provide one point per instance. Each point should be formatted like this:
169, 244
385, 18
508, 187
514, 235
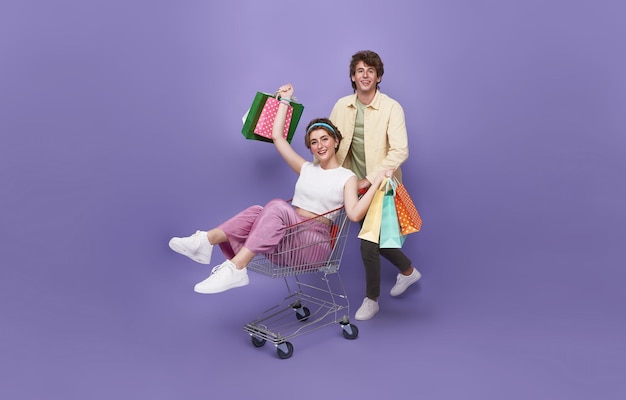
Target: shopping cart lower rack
308, 259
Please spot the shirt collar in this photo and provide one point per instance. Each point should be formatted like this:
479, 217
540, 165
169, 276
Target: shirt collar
375, 104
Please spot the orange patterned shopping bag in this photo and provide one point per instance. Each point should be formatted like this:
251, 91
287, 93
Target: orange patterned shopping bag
409, 218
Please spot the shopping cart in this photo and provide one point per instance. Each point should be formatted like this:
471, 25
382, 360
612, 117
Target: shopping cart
316, 294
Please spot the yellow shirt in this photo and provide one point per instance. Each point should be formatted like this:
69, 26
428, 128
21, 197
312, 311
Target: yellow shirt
385, 139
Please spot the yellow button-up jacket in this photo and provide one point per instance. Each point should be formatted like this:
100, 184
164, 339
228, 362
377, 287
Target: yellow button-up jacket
385, 136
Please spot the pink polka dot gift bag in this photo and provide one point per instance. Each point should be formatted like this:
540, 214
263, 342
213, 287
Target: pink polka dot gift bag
259, 119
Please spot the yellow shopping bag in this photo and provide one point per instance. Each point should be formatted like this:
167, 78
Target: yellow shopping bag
371, 225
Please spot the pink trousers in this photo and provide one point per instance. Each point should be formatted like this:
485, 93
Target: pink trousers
262, 230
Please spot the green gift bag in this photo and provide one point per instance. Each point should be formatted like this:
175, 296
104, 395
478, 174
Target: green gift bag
251, 119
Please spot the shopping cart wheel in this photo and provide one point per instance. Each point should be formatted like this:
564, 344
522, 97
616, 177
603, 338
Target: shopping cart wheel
350, 331
257, 342
284, 350
303, 313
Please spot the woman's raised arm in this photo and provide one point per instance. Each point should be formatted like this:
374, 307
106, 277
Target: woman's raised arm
293, 159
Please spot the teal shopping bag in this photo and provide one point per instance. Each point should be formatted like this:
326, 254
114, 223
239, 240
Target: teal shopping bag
252, 118
390, 234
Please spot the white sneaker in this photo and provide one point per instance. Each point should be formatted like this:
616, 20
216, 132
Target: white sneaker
196, 247
403, 282
223, 277
368, 309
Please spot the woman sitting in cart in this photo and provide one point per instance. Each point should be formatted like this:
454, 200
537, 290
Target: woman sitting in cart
322, 186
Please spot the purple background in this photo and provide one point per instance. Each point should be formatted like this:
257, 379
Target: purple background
120, 127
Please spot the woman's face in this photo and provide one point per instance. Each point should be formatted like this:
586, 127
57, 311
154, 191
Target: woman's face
322, 144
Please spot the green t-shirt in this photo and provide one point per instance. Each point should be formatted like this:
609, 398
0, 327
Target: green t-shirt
357, 149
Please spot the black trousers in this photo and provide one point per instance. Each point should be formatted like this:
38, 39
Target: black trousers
370, 253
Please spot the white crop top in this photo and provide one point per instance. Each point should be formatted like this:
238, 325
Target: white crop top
320, 190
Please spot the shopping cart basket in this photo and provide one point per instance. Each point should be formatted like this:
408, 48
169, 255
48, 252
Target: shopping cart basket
316, 294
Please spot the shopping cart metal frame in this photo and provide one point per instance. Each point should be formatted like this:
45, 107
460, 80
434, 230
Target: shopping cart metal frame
316, 293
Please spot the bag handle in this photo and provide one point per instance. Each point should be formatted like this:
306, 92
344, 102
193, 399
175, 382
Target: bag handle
277, 97
390, 184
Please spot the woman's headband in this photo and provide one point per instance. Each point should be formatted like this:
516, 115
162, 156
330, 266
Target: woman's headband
325, 125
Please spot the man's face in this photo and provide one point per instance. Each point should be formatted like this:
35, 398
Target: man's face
365, 78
